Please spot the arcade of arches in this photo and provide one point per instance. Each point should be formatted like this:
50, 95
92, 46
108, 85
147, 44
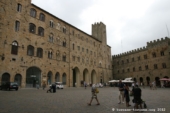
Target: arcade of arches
147, 80
35, 77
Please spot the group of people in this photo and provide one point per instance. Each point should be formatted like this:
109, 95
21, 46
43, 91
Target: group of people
124, 95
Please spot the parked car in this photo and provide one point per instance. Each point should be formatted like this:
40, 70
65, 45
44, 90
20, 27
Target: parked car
99, 85
59, 85
9, 85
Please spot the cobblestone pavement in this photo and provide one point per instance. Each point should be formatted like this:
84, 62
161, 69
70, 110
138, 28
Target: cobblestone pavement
74, 100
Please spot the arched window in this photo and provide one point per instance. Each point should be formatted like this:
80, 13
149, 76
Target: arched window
40, 31
64, 43
50, 54
51, 23
17, 25
64, 57
30, 50
19, 7
14, 49
58, 26
32, 28
51, 39
33, 12
154, 54
39, 52
64, 29
42, 17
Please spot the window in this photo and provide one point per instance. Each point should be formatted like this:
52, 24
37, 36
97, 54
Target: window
133, 59
51, 38
33, 12
51, 24
19, 7
164, 65
138, 57
17, 25
140, 68
162, 53
14, 49
64, 57
64, 43
50, 54
82, 49
78, 47
73, 46
118, 71
30, 50
153, 54
117, 62
39, 52
145, 56
64, 29
32, 28
133, 68
155, 66
127, 60
40, 31
91, 52
128, 70
82, 60
73, 33
123, 71
58, 26
122, 62
87, 50
146, 67
42, 17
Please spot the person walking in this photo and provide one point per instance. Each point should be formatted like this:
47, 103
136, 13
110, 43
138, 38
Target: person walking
121, 90
94, 95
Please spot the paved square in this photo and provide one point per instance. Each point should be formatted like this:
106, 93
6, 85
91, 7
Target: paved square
74, 100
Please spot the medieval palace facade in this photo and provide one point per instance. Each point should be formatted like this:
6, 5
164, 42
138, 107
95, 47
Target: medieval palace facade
145, 64
38, 47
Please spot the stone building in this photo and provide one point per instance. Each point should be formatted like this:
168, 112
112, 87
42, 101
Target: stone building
37, 47
145, 64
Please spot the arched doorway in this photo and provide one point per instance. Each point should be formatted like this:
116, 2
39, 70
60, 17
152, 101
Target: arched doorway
76, 77
148, 81
157, 81
93, 77
49, 77
64, 79
5, 77
57, 77
18, 79
134, 79
85, 76
141, 80
33, 77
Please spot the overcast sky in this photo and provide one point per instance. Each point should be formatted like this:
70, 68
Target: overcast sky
130, 24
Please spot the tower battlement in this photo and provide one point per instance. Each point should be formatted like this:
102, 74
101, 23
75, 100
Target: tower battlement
158, 41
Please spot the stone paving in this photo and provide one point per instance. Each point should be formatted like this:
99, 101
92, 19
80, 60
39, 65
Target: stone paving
74, 100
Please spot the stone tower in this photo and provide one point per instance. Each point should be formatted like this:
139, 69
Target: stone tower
99, 32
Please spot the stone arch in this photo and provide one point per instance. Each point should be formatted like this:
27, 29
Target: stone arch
49, 77
135, 79
5, 77
76, 76
64, 80
33, 76
57, 77
157, 81
148, 80
93, 77
18, 79
141, 79
86, 75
